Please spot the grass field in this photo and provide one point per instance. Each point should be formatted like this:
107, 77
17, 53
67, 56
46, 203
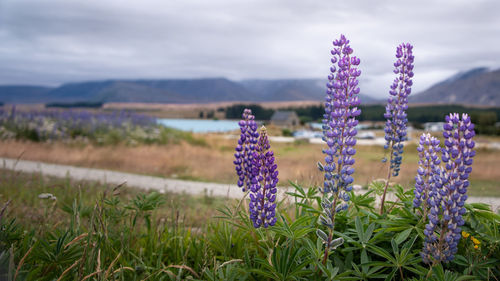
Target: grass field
212, 162
24, 188
89, 231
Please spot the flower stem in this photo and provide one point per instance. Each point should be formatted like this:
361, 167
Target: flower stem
330, 235
389, 173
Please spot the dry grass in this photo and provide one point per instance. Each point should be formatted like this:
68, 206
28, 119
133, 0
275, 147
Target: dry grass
296, 161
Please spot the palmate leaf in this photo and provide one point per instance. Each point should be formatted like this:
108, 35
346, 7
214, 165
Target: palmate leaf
284, 264
299, 189
438, 273
297, 230
328, 270
368, 274
364, 200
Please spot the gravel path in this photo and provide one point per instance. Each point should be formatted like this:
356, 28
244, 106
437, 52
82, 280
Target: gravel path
115, 178
149, 182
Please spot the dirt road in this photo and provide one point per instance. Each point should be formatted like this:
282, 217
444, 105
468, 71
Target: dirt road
152, 183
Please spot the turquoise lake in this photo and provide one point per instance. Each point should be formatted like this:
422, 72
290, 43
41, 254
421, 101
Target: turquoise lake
200, 126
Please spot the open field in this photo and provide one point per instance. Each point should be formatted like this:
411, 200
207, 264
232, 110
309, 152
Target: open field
213, 162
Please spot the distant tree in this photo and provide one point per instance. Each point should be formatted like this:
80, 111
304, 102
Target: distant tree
485, 122
82, 104
260, 113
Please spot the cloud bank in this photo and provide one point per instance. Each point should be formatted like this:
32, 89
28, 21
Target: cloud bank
56, 41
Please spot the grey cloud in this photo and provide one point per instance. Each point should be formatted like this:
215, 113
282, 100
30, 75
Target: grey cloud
55, 41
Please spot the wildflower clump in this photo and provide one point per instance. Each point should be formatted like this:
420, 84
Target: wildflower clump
257, 172
473, 239
245, 149
448, 200
476, 242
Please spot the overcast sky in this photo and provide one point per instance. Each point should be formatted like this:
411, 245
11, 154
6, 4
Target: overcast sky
50, 42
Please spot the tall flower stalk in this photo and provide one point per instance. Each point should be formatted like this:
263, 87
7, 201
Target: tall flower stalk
395, 112
264, 180
244, 150
448, 199
339, 131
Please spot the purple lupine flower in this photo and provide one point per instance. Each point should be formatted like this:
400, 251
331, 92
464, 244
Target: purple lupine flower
395, 112
263, 188
427, 173
397, 104
447, 204
339, 131
339, 123
245, 148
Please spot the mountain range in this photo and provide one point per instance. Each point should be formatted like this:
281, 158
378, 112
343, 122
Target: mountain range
478, 86
205, 90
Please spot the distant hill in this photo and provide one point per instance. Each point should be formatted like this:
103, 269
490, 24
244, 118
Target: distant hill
158, 91
173, 91
23, 94
292, 90
478, 86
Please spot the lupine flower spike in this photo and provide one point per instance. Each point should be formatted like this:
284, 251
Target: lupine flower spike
447, 203
395, 111
428, 171
245, 148
339, 131
264, 180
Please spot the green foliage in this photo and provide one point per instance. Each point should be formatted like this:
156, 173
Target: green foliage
108, 236
286, 132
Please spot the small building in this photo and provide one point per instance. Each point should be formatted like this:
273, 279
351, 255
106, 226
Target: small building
285, 119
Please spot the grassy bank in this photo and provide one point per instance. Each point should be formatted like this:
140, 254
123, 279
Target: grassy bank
90, 231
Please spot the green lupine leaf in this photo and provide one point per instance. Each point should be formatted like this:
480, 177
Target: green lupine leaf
369, 232
381, 252
359, 228
402, 236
